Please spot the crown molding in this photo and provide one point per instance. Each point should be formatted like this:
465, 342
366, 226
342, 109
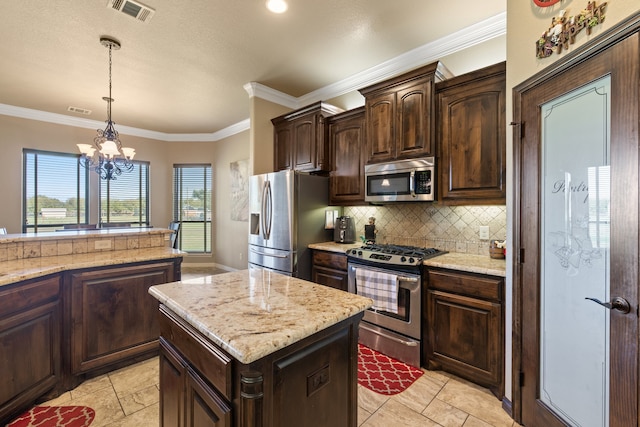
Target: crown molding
481, 32
61, 119
255, 89
488, 29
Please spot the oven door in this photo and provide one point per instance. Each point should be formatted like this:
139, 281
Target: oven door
407, 320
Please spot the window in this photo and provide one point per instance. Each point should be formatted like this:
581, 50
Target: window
54, 191
125, 201
192, 207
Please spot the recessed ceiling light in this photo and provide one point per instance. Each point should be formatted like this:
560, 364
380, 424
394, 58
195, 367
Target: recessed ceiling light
277, 6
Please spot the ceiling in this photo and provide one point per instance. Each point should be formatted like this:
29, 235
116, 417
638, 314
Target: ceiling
184, 70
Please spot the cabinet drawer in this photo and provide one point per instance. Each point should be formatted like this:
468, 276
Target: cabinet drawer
210, 361
329, 259
486, 287
28, 294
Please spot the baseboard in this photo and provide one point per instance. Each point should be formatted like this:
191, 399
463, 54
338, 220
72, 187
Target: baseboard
506, 405
208, 265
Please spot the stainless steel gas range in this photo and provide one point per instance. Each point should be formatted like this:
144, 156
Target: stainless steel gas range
392, 276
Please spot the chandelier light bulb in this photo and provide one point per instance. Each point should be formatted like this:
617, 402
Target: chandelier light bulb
277, 6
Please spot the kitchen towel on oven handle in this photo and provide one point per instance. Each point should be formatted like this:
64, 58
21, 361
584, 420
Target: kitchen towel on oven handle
381, 287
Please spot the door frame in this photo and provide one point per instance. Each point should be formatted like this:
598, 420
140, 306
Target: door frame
620, 31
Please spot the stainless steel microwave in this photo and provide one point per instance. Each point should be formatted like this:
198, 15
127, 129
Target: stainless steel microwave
411, 180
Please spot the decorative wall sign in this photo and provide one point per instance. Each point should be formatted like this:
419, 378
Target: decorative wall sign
239, 190
563, 29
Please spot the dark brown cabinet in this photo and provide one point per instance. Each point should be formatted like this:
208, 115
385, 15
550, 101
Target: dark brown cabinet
348, 156
30, 343
400, 115
464, 324
330, 269
310, 383
185, 398
113, 317
300, 139
472, 137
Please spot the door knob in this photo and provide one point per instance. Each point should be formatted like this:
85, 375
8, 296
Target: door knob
617, 303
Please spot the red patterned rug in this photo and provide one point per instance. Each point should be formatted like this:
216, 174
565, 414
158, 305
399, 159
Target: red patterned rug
55, 416
383, 374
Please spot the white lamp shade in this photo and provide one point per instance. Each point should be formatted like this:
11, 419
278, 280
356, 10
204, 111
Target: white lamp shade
86, 149
128, 152
109, 149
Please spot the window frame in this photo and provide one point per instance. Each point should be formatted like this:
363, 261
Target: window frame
177, 206
147, 192
81, 173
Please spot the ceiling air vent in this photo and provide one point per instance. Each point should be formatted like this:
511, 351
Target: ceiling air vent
79, 110
132, 8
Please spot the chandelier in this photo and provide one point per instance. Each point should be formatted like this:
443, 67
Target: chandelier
107, 156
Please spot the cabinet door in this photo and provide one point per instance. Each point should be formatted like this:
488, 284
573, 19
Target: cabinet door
472, 139
415, 131
205, 408
30, 344
347, 141
172, 386
113, 316
329, 277
380, 118
465, 337
283, 148
304, 141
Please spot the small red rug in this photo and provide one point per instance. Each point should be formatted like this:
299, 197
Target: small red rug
383, 374
55, 416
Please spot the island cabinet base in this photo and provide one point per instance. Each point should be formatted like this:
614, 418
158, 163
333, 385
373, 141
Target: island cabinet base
312, 382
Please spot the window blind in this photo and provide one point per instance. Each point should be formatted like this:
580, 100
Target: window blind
55, 191
192, 198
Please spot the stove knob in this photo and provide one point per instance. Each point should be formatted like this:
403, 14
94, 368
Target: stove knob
360, 253
403, 259
353, 251
411, 260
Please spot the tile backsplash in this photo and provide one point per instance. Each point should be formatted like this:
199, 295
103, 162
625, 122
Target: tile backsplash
450, 228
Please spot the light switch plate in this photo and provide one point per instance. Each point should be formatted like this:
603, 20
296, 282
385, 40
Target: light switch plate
484, 232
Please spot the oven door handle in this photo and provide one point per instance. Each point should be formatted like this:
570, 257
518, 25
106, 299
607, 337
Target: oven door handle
389, 337
408, 279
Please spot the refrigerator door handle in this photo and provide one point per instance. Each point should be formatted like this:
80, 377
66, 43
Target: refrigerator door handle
267, 254
267, 207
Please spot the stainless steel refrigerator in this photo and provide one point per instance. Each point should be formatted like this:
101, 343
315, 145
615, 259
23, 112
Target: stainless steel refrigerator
287, 211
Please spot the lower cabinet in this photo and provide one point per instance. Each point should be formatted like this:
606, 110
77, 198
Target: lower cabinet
57, 330
330, 269
113, 317
30, 343
310, 383
185, 398
464, 324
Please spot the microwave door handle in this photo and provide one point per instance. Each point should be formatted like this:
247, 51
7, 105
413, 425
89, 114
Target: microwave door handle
412, 183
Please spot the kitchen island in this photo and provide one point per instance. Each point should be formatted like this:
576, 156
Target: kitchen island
257, 348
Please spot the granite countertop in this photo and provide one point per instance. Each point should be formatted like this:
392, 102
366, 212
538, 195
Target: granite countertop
482, 264
29, 268
334, 247
253, 313
81, 234
472, 263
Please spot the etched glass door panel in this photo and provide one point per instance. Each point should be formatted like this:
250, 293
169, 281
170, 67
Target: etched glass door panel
574, 237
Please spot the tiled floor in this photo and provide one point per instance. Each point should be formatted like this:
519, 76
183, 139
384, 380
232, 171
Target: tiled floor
129, 397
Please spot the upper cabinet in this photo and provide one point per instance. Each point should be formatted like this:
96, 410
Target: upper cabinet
346, 145
300, 139
472, 137
400, 115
